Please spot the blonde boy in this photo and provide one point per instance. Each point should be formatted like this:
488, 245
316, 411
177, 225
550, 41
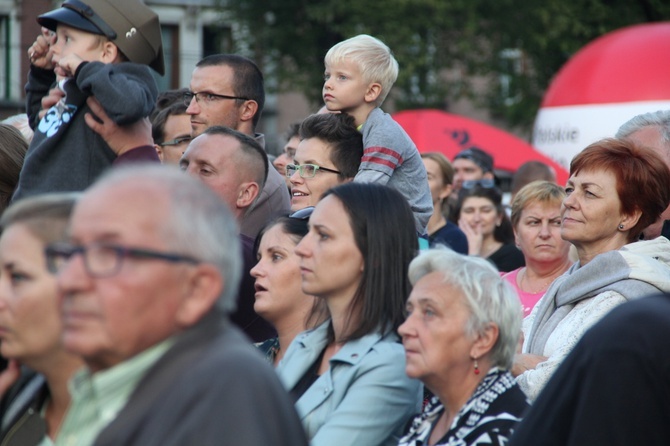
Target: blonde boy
93, 48
359, 75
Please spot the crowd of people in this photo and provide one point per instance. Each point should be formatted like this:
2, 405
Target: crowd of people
163, 281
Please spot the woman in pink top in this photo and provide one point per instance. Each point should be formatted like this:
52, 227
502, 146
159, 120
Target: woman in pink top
536, 218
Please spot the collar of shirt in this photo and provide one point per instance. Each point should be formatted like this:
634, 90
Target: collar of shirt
98, 397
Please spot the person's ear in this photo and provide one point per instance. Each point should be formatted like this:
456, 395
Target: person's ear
373, 92
630, 220
446, 191
248, 110
203, 286
488, 175
110, 53
247, 194
159, 152
485, 341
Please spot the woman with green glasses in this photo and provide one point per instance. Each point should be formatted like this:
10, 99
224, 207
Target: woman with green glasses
329, 154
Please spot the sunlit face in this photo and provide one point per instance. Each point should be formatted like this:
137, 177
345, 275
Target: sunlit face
434, 333
465, 170
308, 191
480, 213
217, 79
30, 326
330, 262
110, 319
344, 88
591, 213
277, 273
538, 233
211, 158
71, 41
177, 127
438, 190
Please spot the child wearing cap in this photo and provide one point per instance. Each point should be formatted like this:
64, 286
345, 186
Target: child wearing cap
98, 48
359, 74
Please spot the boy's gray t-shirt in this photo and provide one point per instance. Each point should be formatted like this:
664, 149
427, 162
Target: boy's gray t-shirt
391, 157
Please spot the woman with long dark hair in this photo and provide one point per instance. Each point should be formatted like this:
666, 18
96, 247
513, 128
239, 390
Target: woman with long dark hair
348, 374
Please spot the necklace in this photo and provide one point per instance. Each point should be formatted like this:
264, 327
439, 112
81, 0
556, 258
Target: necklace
524, 274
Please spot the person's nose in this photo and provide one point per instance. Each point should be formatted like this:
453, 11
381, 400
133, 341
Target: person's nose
406, 328
296, 178
570, 201
73, 276
281, 161
258, 270
303, 249
4, 292
545, 231
193, 107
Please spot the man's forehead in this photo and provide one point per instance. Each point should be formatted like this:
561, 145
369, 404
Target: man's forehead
212, 76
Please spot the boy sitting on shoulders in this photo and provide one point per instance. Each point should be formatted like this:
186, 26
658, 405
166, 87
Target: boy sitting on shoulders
359, 74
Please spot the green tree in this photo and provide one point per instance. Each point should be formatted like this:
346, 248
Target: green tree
433, 38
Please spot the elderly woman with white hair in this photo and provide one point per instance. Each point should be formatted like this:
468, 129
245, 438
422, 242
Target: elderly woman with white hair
460, 336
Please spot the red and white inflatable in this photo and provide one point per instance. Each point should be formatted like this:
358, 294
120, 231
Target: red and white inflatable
617, 76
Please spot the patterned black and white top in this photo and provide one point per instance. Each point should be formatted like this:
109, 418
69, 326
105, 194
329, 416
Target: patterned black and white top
488, 418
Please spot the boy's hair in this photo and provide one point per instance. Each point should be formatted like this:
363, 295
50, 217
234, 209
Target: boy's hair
373, 57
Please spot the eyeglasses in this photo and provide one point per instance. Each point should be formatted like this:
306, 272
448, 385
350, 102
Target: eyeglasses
104, 260
307, 170
204, 97
486, 183
177, 141
302, 214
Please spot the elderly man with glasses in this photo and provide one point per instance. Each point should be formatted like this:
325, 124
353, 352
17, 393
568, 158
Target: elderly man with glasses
147, 278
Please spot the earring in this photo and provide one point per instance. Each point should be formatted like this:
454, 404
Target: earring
621, 226
476, 367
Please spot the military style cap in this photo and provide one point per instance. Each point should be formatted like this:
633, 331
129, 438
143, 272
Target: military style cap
130, 24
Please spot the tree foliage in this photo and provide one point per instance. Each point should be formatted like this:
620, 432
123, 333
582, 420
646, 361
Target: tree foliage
441, 45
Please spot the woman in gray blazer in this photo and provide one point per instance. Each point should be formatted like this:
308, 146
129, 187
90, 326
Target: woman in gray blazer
348, 374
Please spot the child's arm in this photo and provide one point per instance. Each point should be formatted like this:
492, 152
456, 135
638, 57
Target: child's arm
377, 165
40, 77
126, 91
371, 176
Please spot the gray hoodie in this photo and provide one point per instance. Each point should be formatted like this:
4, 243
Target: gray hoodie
583, 295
